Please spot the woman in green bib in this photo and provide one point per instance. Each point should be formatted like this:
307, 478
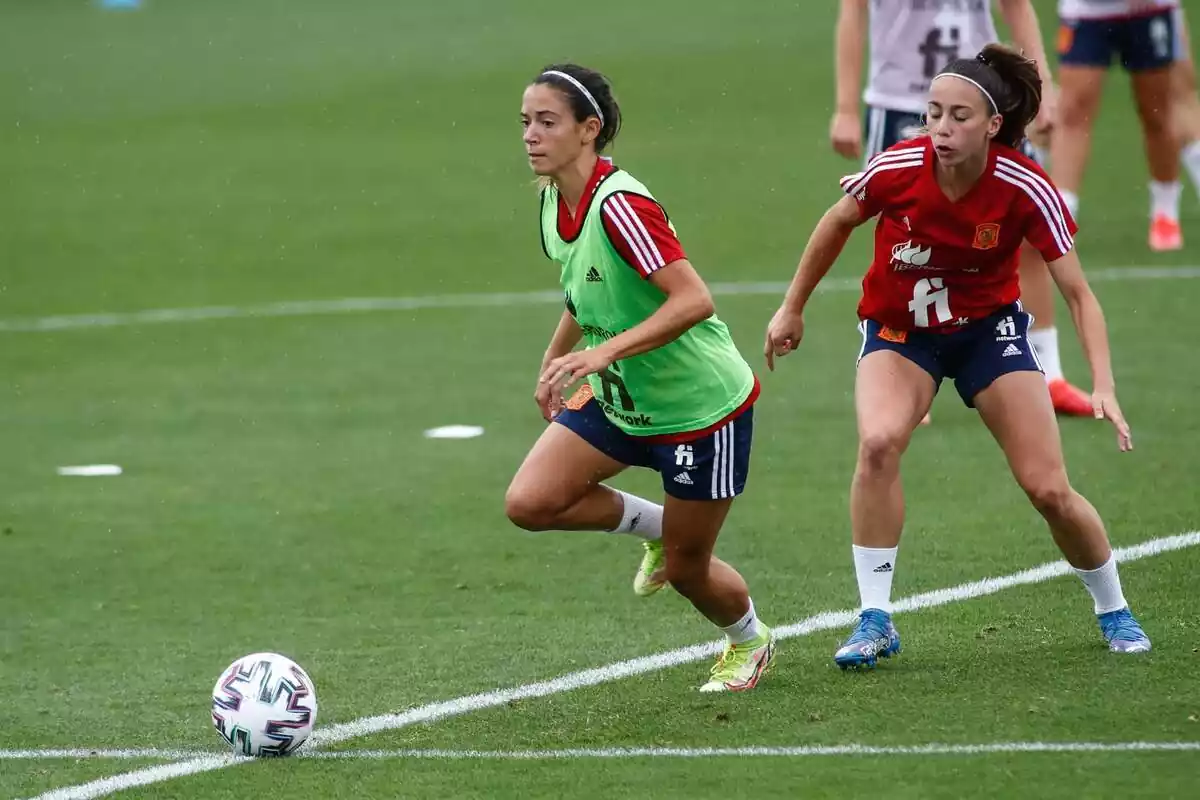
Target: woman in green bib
666, 388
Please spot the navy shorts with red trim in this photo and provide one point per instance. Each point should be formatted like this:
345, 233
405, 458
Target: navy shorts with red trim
1143, 42
714, 466
973, 357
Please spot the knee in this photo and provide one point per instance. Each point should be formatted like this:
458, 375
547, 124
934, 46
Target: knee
879, 453
1050, 492
1074, 111
530, 509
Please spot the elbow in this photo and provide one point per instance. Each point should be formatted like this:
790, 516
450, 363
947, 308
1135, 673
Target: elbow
704, 308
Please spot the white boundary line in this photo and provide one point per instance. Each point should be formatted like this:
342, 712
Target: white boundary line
122, 754
357, 305
807, 751
611, 672
647, 752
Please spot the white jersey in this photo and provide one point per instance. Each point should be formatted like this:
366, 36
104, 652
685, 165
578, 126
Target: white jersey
913, 40
1110, 9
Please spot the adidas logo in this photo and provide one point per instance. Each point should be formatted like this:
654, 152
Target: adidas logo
594, 276
633, 523
684, 478
884, 567
1011, 350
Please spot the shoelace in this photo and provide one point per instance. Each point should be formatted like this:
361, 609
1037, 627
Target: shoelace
1123, 628
870, 626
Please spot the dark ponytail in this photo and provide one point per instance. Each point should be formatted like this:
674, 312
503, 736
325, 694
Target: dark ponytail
605, 106
1013, 82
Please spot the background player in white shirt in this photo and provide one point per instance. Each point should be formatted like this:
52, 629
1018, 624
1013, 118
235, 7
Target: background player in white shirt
910, 42
1142, 35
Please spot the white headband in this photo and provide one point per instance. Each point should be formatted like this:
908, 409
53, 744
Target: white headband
582, 90
995, 108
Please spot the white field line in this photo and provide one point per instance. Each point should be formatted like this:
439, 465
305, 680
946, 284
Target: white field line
357, 305
644, 752
611, 672
753, 752
121, 754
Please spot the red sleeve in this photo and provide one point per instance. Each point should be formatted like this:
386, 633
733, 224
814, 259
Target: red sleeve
871, 187
1045, 220
640, 231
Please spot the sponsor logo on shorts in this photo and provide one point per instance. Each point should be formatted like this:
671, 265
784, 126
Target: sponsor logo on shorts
684, 478
1011, 350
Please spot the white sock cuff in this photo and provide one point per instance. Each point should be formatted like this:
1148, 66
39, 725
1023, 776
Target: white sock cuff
745, 628
1104, 584
640, 517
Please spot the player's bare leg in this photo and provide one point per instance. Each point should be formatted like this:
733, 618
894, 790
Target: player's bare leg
1016, 409
1037, 296
558, 487
1079, 92
1152, 92
1185, 105
690, 529
891, 395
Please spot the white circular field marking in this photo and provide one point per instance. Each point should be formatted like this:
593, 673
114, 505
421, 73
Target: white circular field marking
91, 471
454, 432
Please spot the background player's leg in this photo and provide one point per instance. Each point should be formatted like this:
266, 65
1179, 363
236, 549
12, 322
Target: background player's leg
558, 487
1152, 91
1016, 409
1185, 103
1079, 92
1037, 296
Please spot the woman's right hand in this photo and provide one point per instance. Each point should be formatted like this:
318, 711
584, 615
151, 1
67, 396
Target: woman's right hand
845, 134
549, 398
783, 334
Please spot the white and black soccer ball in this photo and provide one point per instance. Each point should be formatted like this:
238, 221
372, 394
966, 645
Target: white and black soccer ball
264, 704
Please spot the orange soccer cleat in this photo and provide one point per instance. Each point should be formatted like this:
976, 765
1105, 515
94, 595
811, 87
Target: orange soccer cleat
1070, 400
1165, 234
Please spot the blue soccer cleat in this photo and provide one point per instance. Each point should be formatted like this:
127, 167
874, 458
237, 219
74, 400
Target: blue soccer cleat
1123, 632
874, 637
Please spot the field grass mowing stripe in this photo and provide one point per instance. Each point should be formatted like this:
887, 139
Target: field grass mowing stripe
357, 305
804, 751
611, 672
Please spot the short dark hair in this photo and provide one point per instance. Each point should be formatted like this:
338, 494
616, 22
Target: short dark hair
605, 109
1013, 82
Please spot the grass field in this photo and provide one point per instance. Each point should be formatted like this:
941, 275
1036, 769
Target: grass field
278, 493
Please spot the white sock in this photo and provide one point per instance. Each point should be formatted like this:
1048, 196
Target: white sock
744, 629
1164, 199
1071, 201
640, 518
1191, 162
1045, 344
1105, 586
875, 567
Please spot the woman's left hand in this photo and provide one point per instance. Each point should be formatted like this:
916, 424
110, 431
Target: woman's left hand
1104, 406
566, 370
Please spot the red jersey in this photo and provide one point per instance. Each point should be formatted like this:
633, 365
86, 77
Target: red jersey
637, 227
939, 264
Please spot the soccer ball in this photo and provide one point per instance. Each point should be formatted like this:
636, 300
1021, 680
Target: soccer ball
264, 704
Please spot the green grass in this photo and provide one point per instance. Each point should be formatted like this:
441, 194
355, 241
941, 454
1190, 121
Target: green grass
278, 493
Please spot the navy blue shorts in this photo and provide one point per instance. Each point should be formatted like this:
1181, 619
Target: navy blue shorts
885, 127
973, 356
1149, 41
713, 467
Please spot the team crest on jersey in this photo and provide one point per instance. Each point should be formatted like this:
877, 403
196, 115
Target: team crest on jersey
987, 236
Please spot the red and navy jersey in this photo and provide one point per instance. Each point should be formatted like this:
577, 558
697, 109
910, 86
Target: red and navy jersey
637, 227
940, 264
